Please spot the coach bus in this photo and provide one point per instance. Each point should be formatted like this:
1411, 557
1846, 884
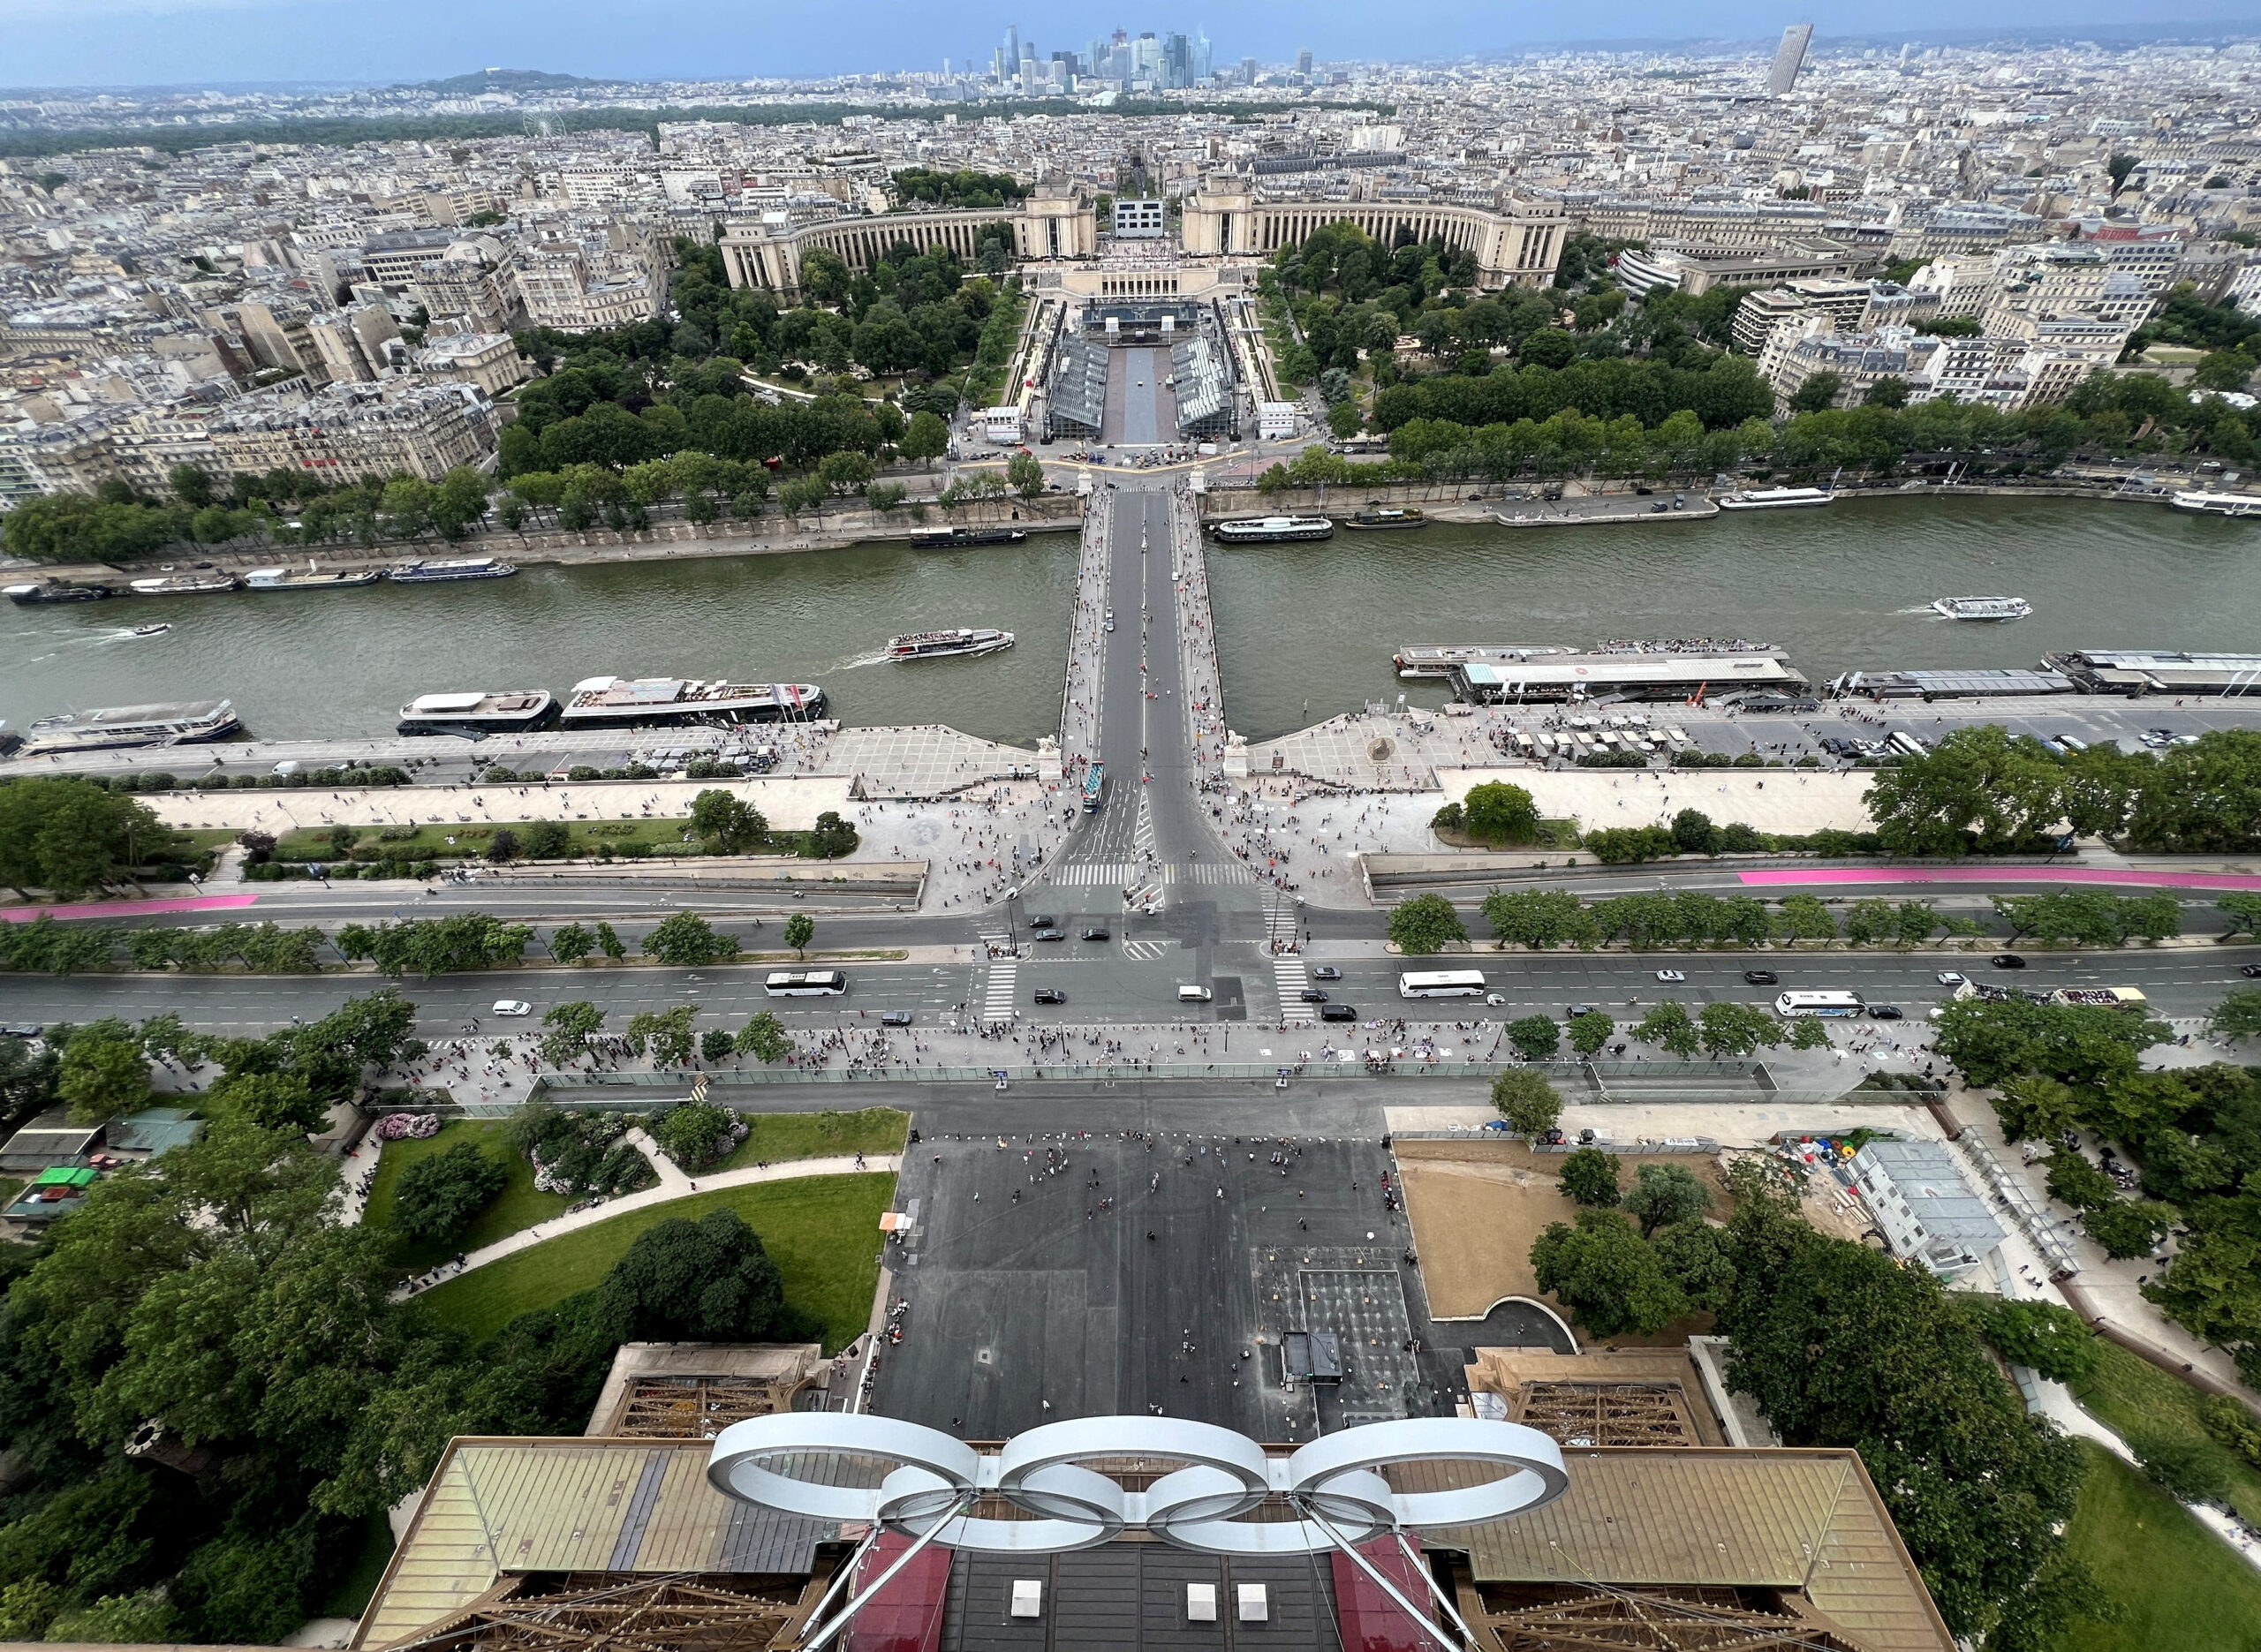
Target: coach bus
805, 984
1094, 787
1441, 983
1818, 1004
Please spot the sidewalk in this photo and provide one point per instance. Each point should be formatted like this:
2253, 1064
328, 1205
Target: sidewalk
673, 1185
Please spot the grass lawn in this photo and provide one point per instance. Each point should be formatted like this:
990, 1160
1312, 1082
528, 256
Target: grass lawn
520, 1204
451, 839
2131, 1396
2180, 1587
348, 1597
1553, 833
783, 1135
824, 1231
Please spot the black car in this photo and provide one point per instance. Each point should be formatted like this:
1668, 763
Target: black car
895, 1018
1337, 1012
2007, 960
1311, 995
1050, 995
1047, 934
2251, 971
1886, 1012
1326, 972
1761, 977
1098, 934
1576, 1010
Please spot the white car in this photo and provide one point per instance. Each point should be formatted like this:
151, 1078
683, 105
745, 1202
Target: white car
1948, 977
512, 1007
1495, 998
1670, 975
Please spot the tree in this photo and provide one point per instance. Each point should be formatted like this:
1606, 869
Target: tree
725, 823
1592, 1031
1735, 1030
686, 940
1818, 394
694, 1134
1536, 1037
800, 929
715, 1045
831, 837
1425, 923
1807, 1033
2125, 1229
502, 847
70, 835
1664, 1195
763, 1037
1806, 918
662, 1034
1693, 831
2088, 1045
609, 943
1979, 789
1497, 812
547, 840
2054, 1341
1540, 918
2189, 1467
272, 1101
1699, 1261
1670, 1027
1024, 475
103, 1078
704, 1281
439, 1194
926, 439
2238, 1015
1602, 1272
1590, 1177
571, 1025
1527, 1101
569, 943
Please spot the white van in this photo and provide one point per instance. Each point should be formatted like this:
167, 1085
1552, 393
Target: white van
1194, 995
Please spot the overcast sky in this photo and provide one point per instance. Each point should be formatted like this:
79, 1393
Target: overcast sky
67, 43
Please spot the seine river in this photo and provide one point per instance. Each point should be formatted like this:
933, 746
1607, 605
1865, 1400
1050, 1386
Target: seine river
1307, 630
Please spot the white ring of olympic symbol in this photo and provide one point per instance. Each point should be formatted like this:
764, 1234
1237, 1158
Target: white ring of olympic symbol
823, 1466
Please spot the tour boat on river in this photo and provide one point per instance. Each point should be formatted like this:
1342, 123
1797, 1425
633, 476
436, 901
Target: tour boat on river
1775, 498
426, 571
311, 579
1982, 607
1377, 516
948, 644
661, 702
1270, 530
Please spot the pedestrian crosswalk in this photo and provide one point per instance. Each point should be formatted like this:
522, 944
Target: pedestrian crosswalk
1102, 874
1291, 979
997, 999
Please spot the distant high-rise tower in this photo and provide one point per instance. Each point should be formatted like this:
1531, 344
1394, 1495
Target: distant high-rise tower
1303, 62
1789, 57
1247, 71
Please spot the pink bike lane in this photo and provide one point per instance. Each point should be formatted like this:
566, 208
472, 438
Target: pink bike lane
127, 909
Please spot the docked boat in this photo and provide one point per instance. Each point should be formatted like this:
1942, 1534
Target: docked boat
481, 711
425, 572
1270, 530
1775, 498
660, 702
2217, 504
1982, 607
959, 539
312, 579
948, 644
1439, 662
188, 585
192, 722
1384, 517
55, 591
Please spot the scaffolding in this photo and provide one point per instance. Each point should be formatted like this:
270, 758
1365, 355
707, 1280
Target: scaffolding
663, 1614
1609, 1414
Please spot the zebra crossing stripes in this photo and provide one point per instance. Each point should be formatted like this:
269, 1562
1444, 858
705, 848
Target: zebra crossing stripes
997, 999
1096, 874
1292, 977
1122, 874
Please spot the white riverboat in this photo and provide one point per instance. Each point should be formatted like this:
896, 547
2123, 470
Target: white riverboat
1776, 498
953, 645
2217, 504
1982, 607
1270, 530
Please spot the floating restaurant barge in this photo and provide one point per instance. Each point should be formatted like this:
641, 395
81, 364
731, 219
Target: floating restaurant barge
2139, 671
1638, 677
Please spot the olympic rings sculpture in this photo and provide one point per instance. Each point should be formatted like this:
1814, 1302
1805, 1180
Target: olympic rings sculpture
824, 1466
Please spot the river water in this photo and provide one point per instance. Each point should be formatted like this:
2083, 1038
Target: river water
1306, 630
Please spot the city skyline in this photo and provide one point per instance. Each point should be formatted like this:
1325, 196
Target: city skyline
170, 43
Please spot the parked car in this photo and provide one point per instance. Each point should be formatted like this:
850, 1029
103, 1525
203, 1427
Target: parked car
2007, 960
1761, 977
512, 1007
1050, 995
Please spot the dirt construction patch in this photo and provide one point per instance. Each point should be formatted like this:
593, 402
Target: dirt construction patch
1477, 1206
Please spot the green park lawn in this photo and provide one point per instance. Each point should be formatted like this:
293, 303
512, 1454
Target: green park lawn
2132, 1397
2180, 1588
432, 842
520, 1205
824, 1232
786, 1136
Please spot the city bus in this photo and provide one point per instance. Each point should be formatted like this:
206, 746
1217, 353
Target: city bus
1441, 983
1818, 1004
805, 984
1094, 787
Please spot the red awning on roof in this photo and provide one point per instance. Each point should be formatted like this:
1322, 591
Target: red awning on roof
1370, 1620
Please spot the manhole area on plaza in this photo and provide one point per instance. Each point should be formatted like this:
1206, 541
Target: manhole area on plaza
1358, 1294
